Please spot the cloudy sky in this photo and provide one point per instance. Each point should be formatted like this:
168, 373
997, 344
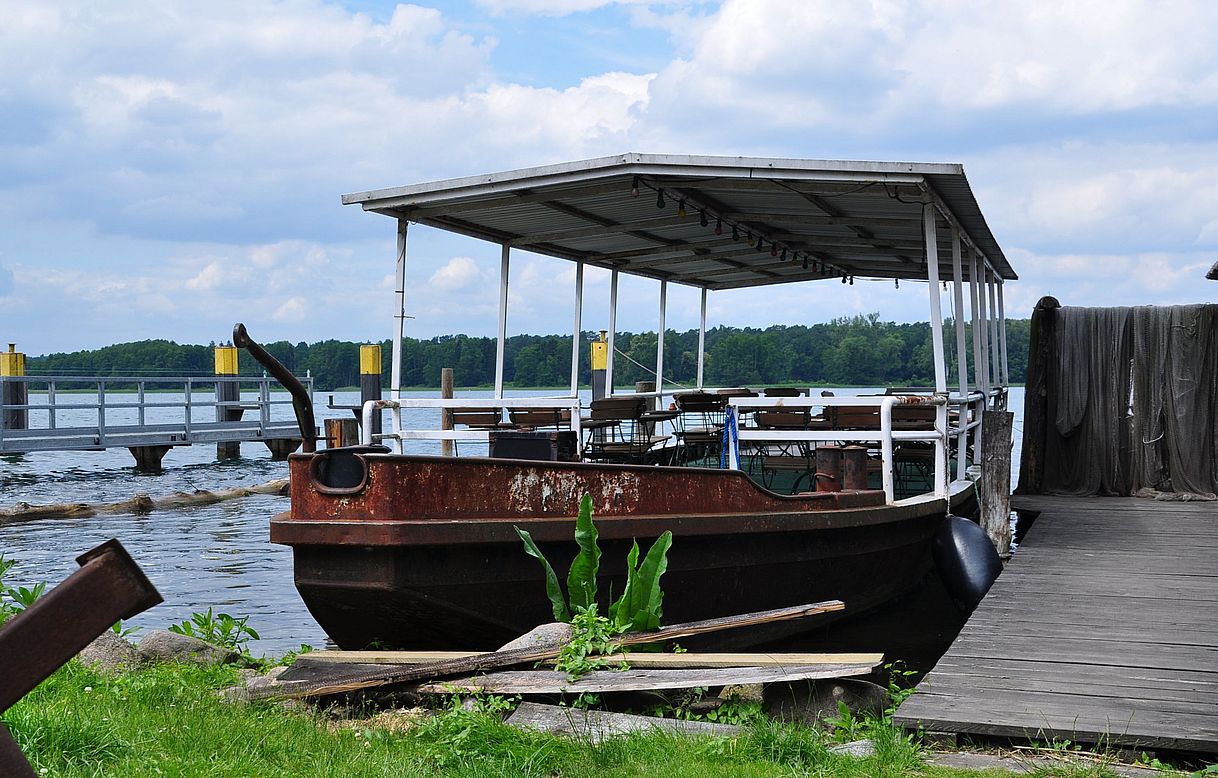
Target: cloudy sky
168, 168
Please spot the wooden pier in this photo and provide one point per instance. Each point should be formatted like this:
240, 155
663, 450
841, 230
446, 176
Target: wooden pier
1103, 629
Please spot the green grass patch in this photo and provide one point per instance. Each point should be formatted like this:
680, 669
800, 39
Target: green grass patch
169, 721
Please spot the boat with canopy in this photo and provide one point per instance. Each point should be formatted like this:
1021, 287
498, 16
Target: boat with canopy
774, 495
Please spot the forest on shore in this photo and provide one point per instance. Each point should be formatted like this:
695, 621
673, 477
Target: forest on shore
859, 351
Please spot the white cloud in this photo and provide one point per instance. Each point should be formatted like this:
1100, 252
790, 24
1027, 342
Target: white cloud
291, 310
457, 274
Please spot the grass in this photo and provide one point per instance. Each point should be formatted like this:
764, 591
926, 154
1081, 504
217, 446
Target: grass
169, 721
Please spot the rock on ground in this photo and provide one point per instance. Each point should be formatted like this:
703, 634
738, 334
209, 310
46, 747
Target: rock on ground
161, 645
553, 635
110, 654
856, 748
811, 702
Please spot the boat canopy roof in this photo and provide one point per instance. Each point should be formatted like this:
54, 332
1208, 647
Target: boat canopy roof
696, 220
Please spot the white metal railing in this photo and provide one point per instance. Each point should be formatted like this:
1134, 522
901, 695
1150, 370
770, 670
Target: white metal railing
63, 421
885, 435
399, 433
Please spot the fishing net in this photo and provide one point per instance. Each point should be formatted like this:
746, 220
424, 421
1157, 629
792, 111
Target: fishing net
1122, 401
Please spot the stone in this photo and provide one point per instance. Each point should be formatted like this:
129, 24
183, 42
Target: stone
110, 654
161, 645
553, 635
236, 695
596, 726
860, 749
270, 678
812, 702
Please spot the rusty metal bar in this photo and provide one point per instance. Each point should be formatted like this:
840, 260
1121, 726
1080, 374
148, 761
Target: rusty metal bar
33, 644
108, 586
302, 403
12, 761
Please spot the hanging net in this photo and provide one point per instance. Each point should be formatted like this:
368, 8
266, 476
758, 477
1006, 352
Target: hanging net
1121, 401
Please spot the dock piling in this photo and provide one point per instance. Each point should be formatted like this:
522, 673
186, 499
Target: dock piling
370, 379
446, 416
996, 479
12, 365
226, 392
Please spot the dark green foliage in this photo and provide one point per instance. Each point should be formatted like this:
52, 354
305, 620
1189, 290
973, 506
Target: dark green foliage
858, 350
641, 604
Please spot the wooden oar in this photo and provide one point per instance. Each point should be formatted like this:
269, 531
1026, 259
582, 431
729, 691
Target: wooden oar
497, 659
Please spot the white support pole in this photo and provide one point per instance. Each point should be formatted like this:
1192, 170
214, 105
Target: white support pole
991, 286
501, 344
612, 333
975, 318
399, 314
1002, 334
936, 313
931, 241
961, 353
660, 339
984, 324
576, 334
702, 338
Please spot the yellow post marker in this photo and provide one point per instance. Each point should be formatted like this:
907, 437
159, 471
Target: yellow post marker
600, 364
226, 360
370, 379
227, 391
370, 359
12, 365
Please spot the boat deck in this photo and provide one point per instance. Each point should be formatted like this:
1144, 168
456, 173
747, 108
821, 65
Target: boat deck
1103, 629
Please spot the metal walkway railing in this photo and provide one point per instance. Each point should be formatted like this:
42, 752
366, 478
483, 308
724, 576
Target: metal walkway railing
63, 413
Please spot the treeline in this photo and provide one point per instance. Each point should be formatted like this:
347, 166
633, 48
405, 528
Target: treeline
859, 350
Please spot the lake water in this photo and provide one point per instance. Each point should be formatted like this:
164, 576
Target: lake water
216, 556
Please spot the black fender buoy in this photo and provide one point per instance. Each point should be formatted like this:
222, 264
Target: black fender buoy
967, 561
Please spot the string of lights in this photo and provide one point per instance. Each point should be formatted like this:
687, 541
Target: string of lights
778, 249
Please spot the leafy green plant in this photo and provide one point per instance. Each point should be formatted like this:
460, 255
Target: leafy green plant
220, 629
592, 642
901, 686
123, 632
641, 605
14, 599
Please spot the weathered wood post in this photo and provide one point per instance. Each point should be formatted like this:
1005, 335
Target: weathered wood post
370, 380
227, 392
996, 479
12, 365
446, 416
341, 432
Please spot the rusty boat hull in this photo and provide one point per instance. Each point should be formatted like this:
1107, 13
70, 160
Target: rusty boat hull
420, 552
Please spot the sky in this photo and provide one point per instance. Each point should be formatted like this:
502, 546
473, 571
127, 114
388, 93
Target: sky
169, 168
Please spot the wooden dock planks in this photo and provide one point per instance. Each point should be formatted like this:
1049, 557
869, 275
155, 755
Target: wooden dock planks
1102, 629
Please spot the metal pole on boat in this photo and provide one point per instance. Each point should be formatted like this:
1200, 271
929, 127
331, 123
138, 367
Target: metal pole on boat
612, 332
399, 315
975, 320
660, 338
984, 324
702, 339
931, 241
1002, 334
505, 258
961, 354
576, 334
991, 284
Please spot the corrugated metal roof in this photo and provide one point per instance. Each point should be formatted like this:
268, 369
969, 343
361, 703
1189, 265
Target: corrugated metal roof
814, 218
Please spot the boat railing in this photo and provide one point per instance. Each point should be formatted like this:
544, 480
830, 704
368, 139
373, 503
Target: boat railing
399, 433
885, 435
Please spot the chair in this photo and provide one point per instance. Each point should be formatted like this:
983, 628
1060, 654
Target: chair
615, 431
540, 418
700, 425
